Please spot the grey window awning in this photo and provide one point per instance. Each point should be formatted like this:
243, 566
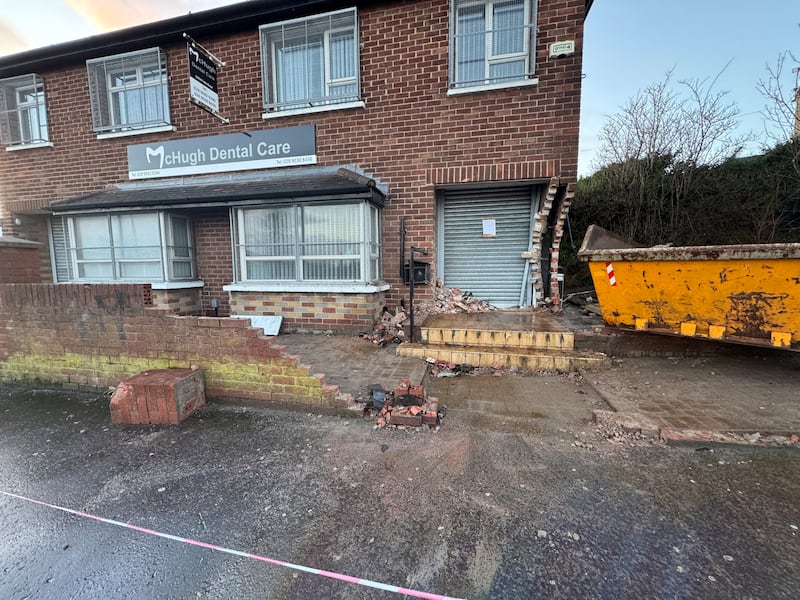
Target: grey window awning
295, 185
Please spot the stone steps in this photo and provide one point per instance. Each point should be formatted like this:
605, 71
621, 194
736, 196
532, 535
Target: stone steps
524, 339
531, 359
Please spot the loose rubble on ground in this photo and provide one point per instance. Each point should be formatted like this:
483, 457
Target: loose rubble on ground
406, 406
393, 322
451, 300
586, 301
390, 329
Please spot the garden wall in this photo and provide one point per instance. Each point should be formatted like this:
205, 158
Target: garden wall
94, 336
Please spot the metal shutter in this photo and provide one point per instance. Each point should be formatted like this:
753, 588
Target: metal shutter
491, 268
59, 242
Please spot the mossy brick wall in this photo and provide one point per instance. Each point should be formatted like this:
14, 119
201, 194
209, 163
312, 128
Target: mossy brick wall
93, 336
314, 312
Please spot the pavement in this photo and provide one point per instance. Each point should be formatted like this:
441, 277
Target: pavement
493, 506
676, 389
519, 494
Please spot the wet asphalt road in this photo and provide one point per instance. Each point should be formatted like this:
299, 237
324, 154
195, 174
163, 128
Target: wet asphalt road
488, 507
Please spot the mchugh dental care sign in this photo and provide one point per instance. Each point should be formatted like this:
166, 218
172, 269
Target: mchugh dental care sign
266, 149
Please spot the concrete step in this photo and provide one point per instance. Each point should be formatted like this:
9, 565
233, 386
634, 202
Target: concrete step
498, 338
530, 359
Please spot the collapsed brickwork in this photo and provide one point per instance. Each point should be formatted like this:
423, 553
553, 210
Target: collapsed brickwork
94, 336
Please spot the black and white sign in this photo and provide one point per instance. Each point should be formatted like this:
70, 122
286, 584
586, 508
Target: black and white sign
203, 78
264, 149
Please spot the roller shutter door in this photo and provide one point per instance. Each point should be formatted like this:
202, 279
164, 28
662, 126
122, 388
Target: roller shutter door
489, 267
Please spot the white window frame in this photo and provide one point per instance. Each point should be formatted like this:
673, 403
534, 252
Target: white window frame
368, 256
490, 59
18, 135
166, 255
270, 72
102, 91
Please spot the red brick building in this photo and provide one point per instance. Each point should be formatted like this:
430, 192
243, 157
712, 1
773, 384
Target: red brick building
283, 158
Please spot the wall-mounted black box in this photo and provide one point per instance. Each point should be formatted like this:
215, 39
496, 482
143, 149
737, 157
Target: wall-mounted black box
422, 272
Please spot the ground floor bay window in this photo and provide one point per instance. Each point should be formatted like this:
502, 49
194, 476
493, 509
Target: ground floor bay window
308, 244
148, 247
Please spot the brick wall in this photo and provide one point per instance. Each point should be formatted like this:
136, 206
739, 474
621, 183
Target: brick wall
411, 135
313, 312
212, 239
19, 261
179, 302
93, 336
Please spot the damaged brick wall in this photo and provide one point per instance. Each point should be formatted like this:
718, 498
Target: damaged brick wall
94, 336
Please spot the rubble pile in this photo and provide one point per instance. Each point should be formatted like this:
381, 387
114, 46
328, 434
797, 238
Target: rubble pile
451, 300
404, 406
442, 368
390, 329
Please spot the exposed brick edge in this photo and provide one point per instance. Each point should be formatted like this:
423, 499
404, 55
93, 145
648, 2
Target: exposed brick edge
558, 234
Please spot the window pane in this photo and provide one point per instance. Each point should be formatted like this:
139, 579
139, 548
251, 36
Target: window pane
471, 43
140, 270
335, 269
92, 240
136, 236
503, 71
343, 64
279, 269
300, 73
179, 235
181, 269
509, 30
269, 232
95, 271
331, 223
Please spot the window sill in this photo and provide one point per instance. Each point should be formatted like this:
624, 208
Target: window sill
131, 132
160, 285
177, 285
324, 288
276, 114
29, 146
492, 86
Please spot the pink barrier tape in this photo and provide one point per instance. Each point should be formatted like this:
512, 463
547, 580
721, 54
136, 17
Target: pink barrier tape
273, 561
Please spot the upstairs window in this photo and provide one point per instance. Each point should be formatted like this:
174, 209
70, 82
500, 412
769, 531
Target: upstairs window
23, 116
492, 42
311, 61
129, 91
134, 247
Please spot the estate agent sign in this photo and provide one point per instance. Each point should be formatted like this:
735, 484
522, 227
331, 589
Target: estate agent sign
265, 149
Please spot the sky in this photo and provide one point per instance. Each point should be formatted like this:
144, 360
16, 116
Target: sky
628, 45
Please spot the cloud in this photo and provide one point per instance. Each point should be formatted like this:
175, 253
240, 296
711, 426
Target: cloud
11, 40
108, 15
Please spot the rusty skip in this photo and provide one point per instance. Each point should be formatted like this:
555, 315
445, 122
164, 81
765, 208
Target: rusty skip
746, 293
